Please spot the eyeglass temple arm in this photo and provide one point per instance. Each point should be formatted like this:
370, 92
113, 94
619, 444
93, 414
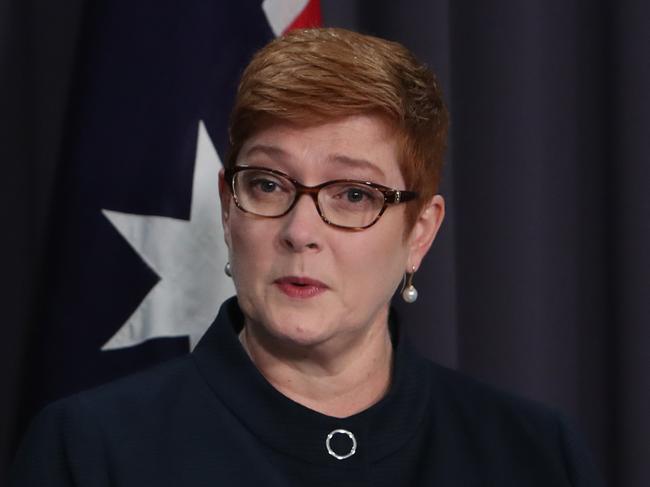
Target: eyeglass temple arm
396, 196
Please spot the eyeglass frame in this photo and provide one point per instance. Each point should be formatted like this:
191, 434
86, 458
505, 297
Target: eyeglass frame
391, 196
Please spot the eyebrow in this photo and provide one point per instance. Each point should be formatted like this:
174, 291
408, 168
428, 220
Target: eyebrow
357, 163
279, 154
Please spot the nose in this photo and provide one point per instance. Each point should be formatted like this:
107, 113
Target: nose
302, 226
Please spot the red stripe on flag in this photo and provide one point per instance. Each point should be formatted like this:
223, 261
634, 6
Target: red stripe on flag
309, 17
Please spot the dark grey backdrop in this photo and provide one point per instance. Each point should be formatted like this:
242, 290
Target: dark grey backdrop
540, 280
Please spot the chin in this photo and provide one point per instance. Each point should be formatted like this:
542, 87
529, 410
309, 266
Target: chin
296, 322
303, 326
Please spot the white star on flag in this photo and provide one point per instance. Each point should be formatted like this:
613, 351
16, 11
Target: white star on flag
188, 256
280, 13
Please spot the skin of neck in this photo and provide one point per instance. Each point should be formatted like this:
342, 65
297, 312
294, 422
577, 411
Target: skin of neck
339, 377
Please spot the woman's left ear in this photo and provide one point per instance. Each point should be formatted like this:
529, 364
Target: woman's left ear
425, 230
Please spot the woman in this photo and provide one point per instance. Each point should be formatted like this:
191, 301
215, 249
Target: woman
305, 378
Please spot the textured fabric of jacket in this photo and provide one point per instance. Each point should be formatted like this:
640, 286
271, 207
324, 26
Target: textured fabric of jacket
211, 419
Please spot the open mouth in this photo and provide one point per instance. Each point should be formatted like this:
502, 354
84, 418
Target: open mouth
300, 287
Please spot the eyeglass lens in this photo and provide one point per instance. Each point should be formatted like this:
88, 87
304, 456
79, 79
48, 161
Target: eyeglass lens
347, 204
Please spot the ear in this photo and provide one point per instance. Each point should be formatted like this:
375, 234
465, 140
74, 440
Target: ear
225, 196
424, 231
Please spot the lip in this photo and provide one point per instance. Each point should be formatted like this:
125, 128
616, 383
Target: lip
300, 287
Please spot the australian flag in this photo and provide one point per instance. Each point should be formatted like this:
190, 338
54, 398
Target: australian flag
136, 256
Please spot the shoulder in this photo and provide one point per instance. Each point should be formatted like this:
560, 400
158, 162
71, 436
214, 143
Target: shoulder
489, 410
504, 426
138, 402
70, 440
138, 391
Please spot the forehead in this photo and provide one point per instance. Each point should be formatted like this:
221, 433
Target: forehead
359, 146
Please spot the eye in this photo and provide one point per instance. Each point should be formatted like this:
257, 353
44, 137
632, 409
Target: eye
264, 185
355, 195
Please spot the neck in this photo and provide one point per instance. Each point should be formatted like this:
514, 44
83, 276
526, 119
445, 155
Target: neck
333, 380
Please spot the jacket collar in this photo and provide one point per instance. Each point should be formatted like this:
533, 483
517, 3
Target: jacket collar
296, 430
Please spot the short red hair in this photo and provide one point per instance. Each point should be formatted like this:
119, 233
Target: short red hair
315, 75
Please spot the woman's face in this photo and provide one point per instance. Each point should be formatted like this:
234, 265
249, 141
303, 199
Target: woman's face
350, 276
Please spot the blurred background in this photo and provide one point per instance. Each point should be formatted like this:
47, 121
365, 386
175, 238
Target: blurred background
539, 282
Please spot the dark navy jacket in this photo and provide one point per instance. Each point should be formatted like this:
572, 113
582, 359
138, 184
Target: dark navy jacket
211, 419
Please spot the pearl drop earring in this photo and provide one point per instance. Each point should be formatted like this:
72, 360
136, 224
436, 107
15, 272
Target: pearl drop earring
409, 293
227, 269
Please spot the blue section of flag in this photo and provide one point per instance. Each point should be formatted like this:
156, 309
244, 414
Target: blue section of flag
146, 73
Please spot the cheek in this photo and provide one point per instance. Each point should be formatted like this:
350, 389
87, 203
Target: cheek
250, 246
375, 262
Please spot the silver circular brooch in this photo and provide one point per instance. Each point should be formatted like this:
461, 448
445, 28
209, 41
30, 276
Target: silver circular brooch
353, 449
